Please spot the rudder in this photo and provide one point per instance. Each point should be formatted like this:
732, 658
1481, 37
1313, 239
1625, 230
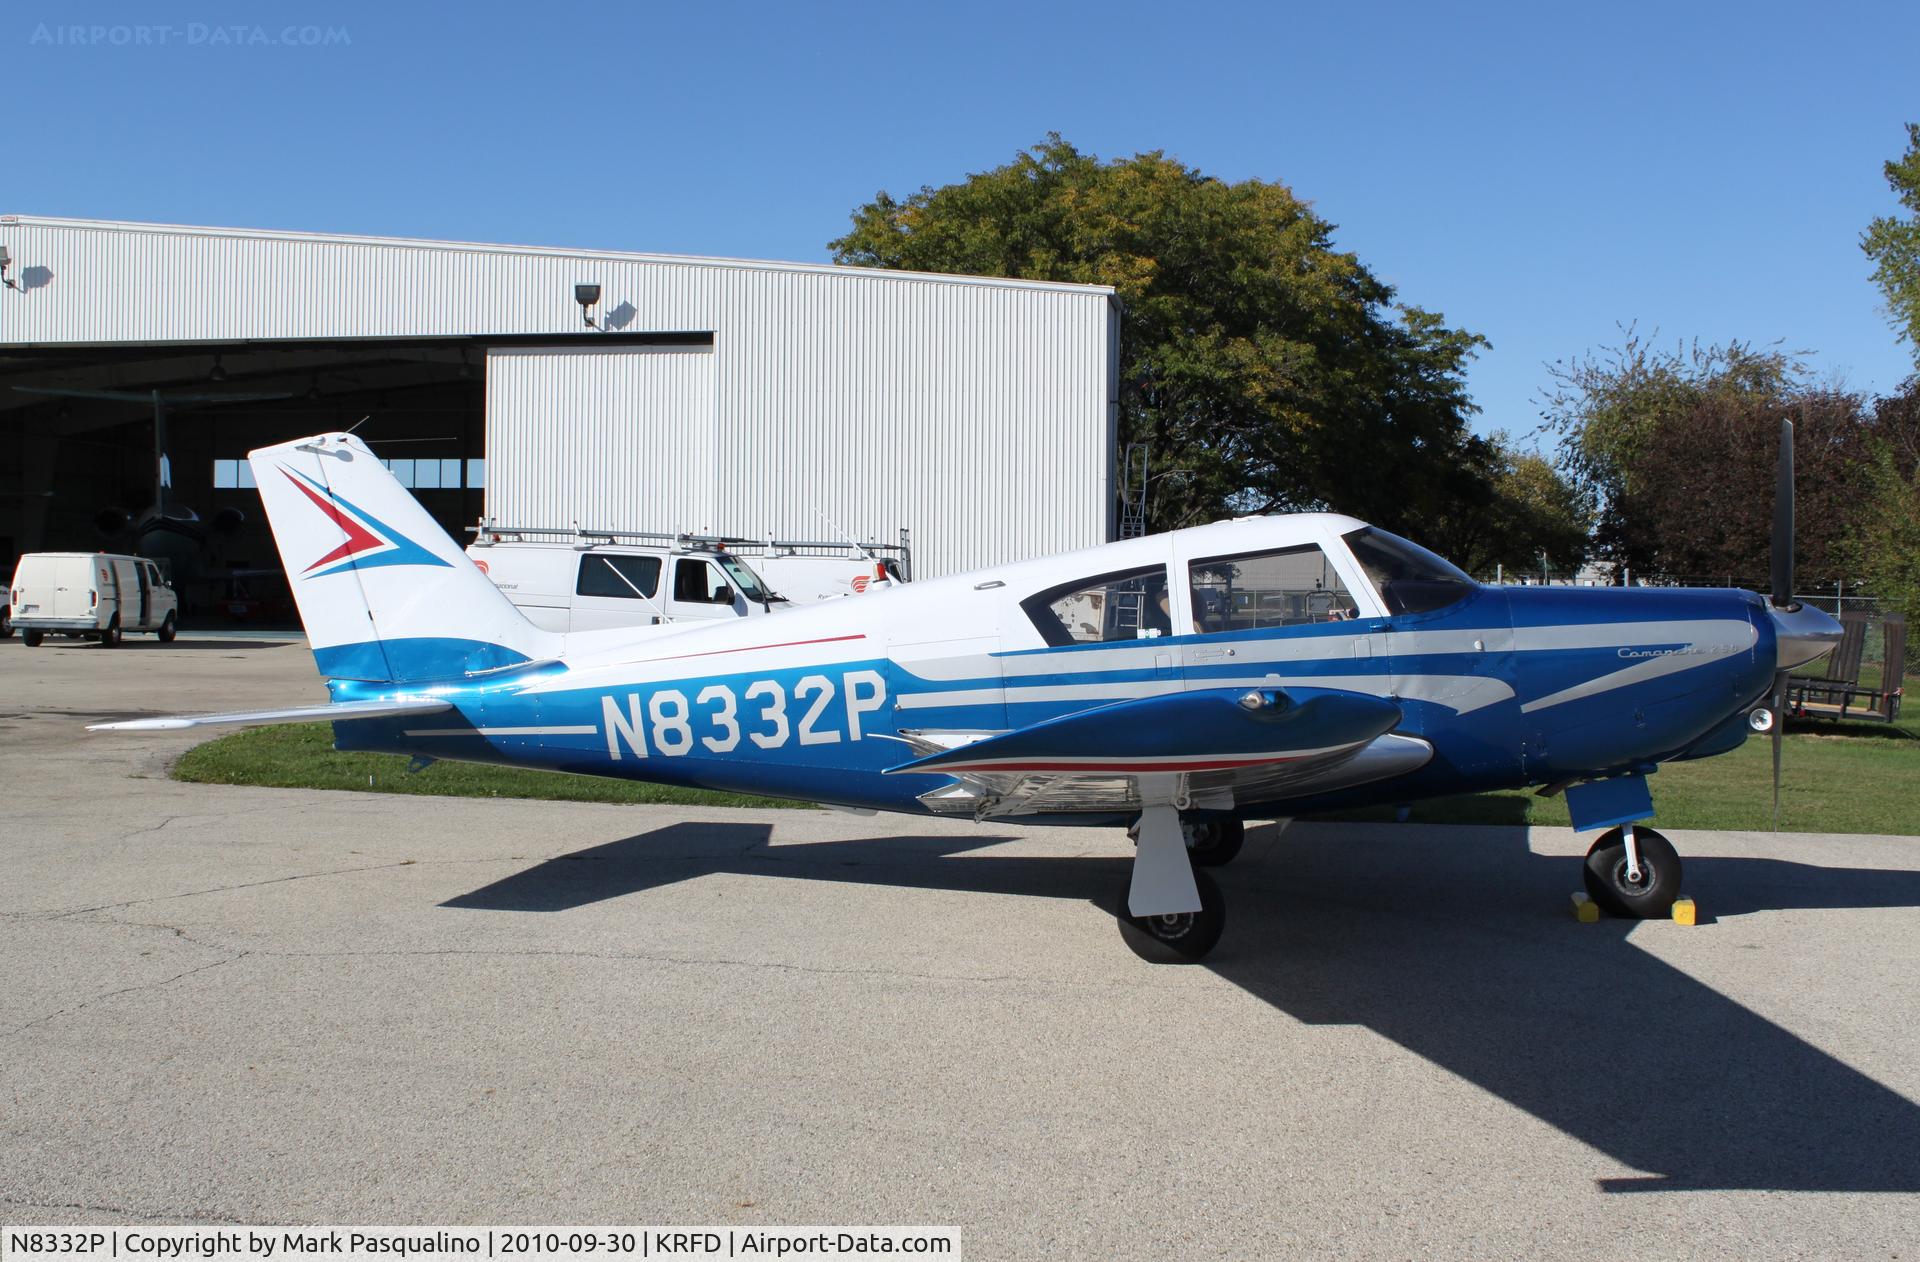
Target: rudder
384, 593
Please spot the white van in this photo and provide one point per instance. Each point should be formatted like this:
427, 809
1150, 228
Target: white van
804, 577
592, 586
93, 595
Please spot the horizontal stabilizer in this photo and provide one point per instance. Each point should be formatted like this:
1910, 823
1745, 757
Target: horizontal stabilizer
299, 714
1214, 729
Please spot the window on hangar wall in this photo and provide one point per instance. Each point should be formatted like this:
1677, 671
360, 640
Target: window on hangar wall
418, 475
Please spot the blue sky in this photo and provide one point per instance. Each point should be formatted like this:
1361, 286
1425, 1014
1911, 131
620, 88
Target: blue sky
1541, 174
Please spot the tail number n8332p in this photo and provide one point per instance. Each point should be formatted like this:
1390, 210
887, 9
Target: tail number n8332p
666, 722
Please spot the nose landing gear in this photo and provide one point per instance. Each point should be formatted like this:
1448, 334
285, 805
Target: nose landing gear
1633, 873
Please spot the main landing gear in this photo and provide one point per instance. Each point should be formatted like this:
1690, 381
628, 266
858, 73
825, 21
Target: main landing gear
1176, 937
1633, 873
1169, 913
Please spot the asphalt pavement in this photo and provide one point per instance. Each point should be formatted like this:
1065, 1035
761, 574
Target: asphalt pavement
227, 1004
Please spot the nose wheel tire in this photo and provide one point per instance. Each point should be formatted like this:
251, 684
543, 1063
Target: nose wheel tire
1182, 939
1610, 885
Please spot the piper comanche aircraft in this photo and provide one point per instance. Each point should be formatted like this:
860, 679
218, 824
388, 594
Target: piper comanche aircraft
1176, 684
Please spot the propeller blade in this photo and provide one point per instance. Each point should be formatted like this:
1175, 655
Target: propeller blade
1783, 521
1779, 732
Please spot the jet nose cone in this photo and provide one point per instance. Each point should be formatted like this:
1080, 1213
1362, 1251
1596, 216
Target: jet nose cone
1802, 634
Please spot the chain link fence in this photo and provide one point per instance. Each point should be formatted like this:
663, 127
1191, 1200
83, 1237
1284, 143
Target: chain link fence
1836, 596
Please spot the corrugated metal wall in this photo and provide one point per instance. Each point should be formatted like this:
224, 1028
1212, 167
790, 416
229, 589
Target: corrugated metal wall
602, 438
977, 413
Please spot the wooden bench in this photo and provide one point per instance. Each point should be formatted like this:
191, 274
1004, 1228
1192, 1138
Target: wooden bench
1838, 694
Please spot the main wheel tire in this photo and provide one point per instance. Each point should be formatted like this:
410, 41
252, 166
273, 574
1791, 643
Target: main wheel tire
1181, 939
1213, 843
1606, 875
110, 638
167, 630
31, 638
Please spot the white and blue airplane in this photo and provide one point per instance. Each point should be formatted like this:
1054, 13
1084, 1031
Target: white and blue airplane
1176, 684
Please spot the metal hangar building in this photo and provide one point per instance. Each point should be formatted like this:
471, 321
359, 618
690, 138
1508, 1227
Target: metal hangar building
547, 387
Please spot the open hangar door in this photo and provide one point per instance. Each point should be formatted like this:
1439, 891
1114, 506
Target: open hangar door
79, 469
605, 436
142, 449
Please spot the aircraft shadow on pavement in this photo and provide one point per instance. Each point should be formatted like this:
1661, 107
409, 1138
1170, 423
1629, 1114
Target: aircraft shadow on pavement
1461, 951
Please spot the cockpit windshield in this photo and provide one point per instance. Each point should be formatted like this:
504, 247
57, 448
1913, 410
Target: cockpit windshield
1409, 578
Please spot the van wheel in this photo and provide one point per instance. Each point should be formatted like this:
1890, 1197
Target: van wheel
32, 638
6, 622
167, 630
111, 636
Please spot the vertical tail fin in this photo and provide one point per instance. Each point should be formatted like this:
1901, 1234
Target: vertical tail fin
385, 595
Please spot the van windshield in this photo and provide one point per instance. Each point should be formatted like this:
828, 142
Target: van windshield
745, 579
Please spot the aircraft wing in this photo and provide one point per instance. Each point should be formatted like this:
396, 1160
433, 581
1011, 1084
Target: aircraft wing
1230, 744
299, 714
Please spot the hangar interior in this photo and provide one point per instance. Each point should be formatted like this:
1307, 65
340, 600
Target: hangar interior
81, 471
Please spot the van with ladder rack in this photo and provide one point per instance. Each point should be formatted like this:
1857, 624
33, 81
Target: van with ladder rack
569, 579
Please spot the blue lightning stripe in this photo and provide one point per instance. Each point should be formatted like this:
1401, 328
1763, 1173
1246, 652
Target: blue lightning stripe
402, 550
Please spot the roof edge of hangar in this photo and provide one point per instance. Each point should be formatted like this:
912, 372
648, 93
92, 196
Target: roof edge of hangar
486, 247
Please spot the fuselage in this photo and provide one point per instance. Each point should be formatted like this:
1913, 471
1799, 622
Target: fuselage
1509, 686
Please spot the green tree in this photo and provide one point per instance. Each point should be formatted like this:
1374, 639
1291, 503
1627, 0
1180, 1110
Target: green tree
1265, 369
1893, 243
1883, 541
1608, 406
1882, 537
1527, 513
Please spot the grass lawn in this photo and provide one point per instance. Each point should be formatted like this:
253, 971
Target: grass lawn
301, 756
1837, 778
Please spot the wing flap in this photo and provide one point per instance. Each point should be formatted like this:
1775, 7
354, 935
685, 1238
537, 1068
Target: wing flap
299, 714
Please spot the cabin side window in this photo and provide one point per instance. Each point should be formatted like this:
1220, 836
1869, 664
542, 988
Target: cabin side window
1253, 590
624, 577
1129, 605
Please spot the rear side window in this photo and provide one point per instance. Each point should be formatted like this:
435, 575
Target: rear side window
1129, 605
625, 577
1283, 588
